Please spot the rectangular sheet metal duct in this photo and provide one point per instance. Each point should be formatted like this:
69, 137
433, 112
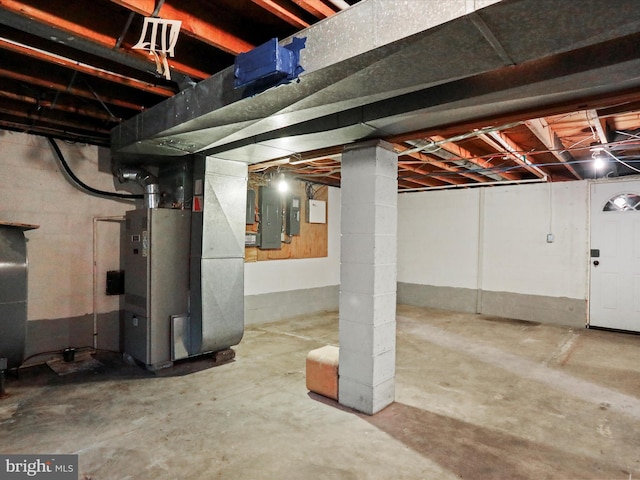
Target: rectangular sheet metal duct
217, 255
370, 73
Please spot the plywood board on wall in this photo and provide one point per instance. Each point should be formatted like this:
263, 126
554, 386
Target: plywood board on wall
313, 239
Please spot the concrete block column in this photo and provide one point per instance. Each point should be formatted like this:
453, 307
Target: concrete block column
369, 191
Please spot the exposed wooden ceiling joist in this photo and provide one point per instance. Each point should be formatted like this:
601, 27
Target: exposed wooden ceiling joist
46, 89
543, 132
191, 25
599, 125
504, 145
71, 64
38, 117
465, 154
72, 28
275, 8
47, 104
315, 7
64, 88
442, 165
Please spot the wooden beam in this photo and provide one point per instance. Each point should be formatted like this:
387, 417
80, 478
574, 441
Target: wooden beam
315, 8
258, 167
64, 89
599, 125
49, 131
191, 25
601, 101
47, 104
281, 12
84, 68
465, 154
504, 145
57, 121
407, 181
543, 131
33, 13
74, 29
445, 179
443, 165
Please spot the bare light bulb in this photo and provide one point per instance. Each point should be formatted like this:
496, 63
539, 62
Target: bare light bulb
598, 160
283, 186
598, 163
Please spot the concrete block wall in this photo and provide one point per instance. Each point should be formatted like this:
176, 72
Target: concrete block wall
486, 251
368, 276
34, 190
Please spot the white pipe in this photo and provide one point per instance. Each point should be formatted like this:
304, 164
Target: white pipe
95, 271
483, 184
457, 138
480, 273
341, 4
618, 160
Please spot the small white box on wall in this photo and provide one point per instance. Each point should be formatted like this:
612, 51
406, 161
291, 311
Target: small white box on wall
317, 211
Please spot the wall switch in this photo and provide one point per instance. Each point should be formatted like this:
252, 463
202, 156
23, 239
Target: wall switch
550, 238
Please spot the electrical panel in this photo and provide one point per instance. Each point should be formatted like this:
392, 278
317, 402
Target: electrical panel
251, 207
270, 211
293, 216
317, 211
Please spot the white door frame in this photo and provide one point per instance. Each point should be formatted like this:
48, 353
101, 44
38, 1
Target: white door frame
591, 183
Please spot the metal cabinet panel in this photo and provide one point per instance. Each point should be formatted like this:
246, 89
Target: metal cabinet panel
157, 285
270, 210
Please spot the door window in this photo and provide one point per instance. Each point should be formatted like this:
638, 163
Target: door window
625, 202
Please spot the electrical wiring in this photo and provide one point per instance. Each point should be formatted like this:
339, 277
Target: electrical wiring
84, 186
311, 193
316, 171
444, 173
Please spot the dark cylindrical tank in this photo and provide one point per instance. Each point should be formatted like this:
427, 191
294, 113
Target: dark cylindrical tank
13, 292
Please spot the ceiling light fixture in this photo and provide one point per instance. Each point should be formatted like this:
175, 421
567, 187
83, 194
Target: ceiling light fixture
283, 186
598, 158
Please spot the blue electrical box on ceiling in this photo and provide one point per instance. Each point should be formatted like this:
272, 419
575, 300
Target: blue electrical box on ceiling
269, 65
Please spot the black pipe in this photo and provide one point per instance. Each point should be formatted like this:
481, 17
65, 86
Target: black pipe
83, 185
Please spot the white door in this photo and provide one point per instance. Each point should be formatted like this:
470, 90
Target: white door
614, 299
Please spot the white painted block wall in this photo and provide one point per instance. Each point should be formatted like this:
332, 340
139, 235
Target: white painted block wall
438, 238
516, 255
440, 242
34, 190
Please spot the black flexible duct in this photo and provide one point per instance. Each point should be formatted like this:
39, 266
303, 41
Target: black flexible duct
83, 185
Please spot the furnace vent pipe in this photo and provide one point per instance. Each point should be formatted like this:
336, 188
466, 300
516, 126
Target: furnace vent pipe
146, 180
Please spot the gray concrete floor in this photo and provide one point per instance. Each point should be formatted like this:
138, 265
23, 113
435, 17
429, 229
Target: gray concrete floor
476, 397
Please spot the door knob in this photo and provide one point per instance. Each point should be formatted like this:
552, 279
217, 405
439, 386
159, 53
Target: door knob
596, 262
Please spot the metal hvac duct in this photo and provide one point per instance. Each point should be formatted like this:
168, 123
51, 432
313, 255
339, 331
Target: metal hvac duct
216, 313
143, 178
13, 293
376, 72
